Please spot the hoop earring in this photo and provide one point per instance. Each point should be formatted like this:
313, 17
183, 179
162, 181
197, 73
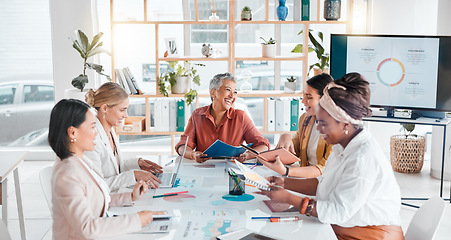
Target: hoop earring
73, 140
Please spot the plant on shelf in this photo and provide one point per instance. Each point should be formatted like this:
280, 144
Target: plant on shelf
316, 39
178, 77
407, 150
246, 14
87, 49
290, 85
268, 48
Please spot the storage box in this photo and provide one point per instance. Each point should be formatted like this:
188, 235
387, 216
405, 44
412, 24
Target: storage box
132, 124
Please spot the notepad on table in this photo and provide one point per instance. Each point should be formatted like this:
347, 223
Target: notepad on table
253, 177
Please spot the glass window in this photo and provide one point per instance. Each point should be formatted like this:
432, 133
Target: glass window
37, 93
7, 93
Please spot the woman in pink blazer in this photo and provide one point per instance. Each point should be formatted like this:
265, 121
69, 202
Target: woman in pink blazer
80, 196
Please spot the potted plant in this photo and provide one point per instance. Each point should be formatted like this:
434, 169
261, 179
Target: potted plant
87, 49
316, 39
268, 48
407, 150
246, 14
290, 85
178, 76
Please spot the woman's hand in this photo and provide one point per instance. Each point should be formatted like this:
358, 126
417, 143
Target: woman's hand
245, 156
199, 156
147, 216
276, 166
139, 190
278, 181
276, 194
149, 166
286, 142
148, 178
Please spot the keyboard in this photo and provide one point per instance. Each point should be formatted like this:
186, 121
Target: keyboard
165, 178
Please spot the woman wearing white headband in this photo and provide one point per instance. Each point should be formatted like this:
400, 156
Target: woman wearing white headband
357, 193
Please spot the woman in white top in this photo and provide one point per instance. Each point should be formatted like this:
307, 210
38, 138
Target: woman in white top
357, 193
111, 102
80, 197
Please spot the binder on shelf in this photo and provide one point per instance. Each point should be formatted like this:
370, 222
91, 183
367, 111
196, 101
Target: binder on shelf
120, 81
157, 115
180, 115
133, 80
294, 114
283, 120
128, 81
173, 115
271, 114
297, 10
164, 115
305, 10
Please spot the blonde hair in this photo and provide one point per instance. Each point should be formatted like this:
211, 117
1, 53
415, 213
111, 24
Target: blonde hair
109, 93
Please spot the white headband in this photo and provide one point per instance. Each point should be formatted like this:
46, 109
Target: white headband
335, 111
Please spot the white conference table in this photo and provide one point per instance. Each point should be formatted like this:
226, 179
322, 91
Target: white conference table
207, 183
9, 163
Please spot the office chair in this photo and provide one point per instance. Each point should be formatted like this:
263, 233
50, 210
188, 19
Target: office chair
45, 176
425, 221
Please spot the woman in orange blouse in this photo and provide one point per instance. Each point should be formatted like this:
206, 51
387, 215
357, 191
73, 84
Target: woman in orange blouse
220, 121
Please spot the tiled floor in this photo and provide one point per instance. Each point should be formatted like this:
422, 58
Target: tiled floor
38, 220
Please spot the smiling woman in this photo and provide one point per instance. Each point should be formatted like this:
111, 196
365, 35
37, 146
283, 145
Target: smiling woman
220, 121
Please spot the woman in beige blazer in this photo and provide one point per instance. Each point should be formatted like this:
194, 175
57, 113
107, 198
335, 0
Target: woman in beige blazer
80, 197
111, 103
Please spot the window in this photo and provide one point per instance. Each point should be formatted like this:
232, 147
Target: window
37, 93
7, 93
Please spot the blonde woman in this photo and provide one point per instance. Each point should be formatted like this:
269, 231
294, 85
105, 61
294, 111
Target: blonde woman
80, 196
111, 102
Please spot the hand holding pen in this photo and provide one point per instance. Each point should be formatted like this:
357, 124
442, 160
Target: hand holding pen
139, 190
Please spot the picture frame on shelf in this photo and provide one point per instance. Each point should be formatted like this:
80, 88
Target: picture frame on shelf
171, 47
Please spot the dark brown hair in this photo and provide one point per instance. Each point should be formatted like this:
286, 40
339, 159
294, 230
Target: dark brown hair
355, 100
319, 82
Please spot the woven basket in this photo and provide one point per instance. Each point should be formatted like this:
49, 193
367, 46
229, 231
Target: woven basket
407, 154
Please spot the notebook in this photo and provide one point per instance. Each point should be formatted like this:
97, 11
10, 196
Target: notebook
168, 178
220, 149
253, 177
285, 156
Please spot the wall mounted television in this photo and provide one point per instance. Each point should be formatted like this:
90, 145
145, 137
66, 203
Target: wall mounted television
404, 72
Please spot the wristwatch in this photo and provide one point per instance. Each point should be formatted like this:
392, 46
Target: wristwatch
286, 173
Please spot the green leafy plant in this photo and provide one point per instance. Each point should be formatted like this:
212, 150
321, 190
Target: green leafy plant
270, 41
291, 79
186, 69
87, 49
316, 39
247, 9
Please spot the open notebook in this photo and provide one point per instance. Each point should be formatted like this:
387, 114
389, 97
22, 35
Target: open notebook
253, 177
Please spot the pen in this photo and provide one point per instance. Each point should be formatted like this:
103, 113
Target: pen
284, 219
169, 163
252, 167
165, 195
175, 193
255, 218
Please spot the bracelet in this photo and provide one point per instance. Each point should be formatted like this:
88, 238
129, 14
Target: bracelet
310, 206
304, 205
286, 172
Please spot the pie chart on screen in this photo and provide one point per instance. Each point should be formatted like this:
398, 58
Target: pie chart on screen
391, 72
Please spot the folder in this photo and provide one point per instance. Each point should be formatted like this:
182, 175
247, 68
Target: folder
220, 149
157, 115
165, 115
294, 114
180, 115
128, 81
120, 81
283, 110
271, 114
305, 10
285, 156
124, 82
172, 115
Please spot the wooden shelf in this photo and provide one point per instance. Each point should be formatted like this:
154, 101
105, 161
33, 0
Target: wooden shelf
195, 59
259, 93
277, 58
224, 22
290, 22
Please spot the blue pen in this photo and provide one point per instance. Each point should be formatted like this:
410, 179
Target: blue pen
169, 163
265, 218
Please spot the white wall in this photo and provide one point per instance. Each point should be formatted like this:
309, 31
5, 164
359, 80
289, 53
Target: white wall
66, 17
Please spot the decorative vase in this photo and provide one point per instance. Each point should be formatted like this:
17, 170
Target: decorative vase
246, 15
332, 9
269, 50
213, 17
289, 87
181, 85
282, 10
75, 94
318, 71
246, 86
